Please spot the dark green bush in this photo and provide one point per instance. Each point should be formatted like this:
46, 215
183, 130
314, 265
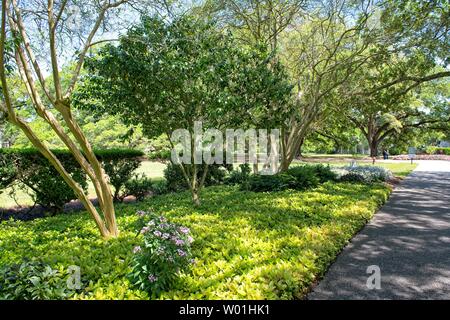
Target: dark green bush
33, 281
305, 176
119, 165
239, 176
324, 173
160, 187
139, 186
176, 181
48, 188
160, 155
353, 177
277, 182
298, 178
8, 171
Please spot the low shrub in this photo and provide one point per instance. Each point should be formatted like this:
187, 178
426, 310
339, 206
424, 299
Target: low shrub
31, 170
140, 186
438, 150
265, 183
160, 187
441, 157
39, 178
305, 177
120, 166
366, 174
239, 176
324, 173
33, 281
160, 155
163, 255
299, 178
8, 172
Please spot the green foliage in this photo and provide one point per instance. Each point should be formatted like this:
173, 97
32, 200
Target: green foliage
33, 281
163, 154
36, 173
163, 76
163, 255
160, 187
299, 178
276, 182
175, 180
438, 150
48, 188
239, 176
120, 166
247, 245
324, 173
139, 186
305, 177
8, 171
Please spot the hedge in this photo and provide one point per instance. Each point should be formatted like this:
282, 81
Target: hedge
438, 150
297, 178
31, 169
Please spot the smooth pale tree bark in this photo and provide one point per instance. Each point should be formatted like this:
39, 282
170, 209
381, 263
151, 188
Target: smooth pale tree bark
33, 78
190, 173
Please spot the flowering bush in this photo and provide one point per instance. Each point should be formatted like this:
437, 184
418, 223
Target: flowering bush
367, 174
163, 255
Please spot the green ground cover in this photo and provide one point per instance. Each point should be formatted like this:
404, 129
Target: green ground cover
247, 245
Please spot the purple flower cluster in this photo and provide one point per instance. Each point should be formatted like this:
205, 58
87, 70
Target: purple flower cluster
152, 278
137, 249
184, 230
157, 233
165, 249
141, 213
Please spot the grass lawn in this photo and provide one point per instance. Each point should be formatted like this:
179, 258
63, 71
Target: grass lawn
247, 245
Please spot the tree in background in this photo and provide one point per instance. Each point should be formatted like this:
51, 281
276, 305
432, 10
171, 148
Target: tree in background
255, 21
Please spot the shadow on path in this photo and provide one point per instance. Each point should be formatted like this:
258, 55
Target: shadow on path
409, 239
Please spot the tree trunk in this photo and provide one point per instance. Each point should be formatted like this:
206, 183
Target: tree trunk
195, 197
290, 148
373, 145
78, 145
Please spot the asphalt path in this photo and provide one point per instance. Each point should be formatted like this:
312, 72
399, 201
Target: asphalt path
406, 244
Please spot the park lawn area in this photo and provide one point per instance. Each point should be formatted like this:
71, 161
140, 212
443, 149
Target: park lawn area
247, 245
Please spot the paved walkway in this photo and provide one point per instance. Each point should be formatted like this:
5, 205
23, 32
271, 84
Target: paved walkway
409, 239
